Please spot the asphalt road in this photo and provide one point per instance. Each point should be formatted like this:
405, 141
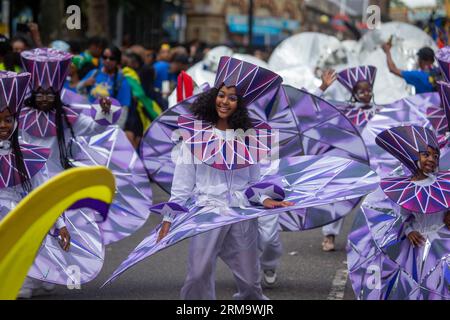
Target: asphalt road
305, 271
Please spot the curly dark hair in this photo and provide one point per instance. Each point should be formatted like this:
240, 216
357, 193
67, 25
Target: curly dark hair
204, 108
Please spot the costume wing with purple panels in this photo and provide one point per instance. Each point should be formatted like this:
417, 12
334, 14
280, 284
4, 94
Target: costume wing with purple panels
86, 255
307, 181
52, 264
129, 209
307, 125
81, 104
384, 265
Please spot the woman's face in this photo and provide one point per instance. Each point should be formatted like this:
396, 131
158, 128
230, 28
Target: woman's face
6, 124
363, 92
109, 61
226, 102
429, 161
45, 100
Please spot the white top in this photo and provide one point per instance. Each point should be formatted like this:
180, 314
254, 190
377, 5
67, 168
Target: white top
423, 223
208, 186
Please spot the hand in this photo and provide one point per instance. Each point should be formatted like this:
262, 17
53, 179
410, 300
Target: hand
105, 103
65, 235
447, 219
386, 47
328, 77
34, 28
270, 204
416, 238
89, 82
164, 230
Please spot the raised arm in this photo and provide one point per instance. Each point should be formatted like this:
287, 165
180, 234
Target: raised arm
391, 65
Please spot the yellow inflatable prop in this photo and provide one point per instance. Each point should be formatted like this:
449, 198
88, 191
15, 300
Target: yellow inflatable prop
24, 228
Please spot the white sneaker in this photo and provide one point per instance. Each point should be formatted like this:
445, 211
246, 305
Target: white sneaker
269, 278
25, 293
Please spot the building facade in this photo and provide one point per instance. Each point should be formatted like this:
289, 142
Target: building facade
225, 21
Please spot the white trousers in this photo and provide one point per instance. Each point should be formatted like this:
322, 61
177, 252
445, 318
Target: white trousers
269, 242
237, 246
333, 229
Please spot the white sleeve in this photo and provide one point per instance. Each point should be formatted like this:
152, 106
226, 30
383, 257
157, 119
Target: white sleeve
318, 92
86, 126
183, 183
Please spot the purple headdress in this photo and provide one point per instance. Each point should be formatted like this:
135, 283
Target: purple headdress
443, 58
13, 87
444, 92
48, 67
405, 143
350, 77
251, 81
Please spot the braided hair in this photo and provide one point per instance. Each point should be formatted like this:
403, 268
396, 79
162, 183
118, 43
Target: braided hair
25, 180
61, 122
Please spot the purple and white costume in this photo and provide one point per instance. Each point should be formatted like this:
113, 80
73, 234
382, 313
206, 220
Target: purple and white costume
382, 262
218, 204
98, 142
372, 119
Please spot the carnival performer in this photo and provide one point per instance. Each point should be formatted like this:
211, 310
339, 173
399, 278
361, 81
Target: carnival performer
407, 246
48, 122
218, 189
76, 139
223, 107
45, 120
23, 165
370, 119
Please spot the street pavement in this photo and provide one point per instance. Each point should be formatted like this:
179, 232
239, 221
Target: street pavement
305, 273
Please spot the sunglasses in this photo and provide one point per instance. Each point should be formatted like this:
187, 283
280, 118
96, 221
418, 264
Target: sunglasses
109, 58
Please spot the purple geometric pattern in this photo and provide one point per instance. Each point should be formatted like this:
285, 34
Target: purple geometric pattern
350, 77
251, 81
383, 265
421, 199
86, 253
306, 124
106, 119
273, 191
129, 209
308, 181
239, 152
360, 116
436, 116
13, 88
444, 93
48, 68
168, 208
42, 124
34, 159
443, 58
405, 143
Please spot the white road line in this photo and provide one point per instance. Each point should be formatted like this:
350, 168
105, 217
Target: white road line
338, 286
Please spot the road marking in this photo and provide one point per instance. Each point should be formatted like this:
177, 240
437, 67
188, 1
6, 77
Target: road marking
338, 285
